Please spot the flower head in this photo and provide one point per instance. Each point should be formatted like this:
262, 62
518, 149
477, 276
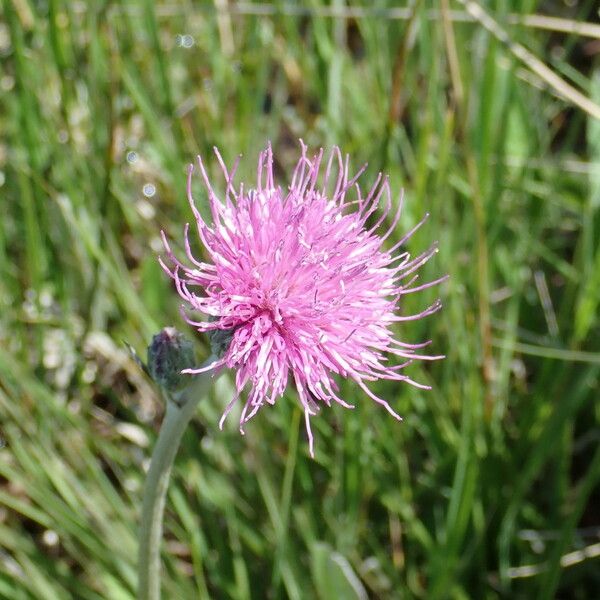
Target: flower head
299, 285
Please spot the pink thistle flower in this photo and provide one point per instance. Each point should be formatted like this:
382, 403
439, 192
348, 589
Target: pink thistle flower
299, 285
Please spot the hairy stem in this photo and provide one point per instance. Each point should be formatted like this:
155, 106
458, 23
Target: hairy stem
180, 408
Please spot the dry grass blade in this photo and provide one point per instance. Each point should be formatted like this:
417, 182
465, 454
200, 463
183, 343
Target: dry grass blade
561, 87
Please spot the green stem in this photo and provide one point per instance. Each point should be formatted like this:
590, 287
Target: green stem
180, 408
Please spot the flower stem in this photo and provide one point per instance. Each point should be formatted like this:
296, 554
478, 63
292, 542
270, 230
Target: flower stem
180, 408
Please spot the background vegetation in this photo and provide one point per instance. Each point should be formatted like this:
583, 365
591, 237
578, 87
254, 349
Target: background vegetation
489, 488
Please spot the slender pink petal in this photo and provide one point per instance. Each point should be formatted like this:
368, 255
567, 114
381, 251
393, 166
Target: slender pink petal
213, 365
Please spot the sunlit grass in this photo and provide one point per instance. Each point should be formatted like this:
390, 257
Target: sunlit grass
495, 469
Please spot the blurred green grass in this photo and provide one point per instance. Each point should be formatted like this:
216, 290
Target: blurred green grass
489, 488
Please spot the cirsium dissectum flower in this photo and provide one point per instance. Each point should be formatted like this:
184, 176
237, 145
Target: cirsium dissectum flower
299, 283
